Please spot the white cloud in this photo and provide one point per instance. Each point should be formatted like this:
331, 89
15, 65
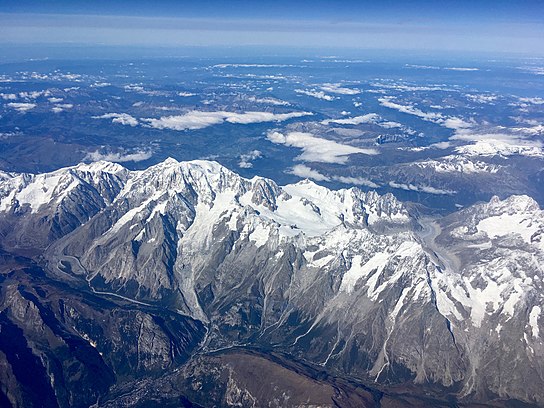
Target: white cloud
200, 119
401, 87
34, 94
21, 107
121, 118
387, 101
338, 89
499, 148
533, 70
467, 134
100, 84
391, 125
446, 68
533, 101
421, 66
316, 94
372, 118
186, 94
537, 129
268, 101
502, 144
421, 189
246, 159
441, 145
55, 100
303, 171
481, 98
315, 149
358, 181
455, 123
254, 66
61, 107
450, 122
461, 69
134, 87
8, 97
357, 120
136, 156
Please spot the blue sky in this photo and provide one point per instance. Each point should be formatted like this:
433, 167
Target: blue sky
477, 25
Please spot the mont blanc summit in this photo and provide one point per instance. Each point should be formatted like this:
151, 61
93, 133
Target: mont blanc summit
354, 282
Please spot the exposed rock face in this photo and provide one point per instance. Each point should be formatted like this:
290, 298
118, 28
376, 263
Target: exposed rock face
60, 347
346, 280
37, 209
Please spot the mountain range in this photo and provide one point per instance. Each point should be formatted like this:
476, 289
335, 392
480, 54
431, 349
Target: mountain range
187, 284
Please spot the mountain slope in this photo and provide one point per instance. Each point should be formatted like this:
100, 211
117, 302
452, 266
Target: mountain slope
346, 280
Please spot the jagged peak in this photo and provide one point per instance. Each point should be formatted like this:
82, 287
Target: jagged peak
513, 204
99, 166
209, 166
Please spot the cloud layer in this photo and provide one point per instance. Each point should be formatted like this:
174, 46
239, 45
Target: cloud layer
121, 118
450, 122
199, 119
136, 156
315, 94
315, 149
338, 89
303, 171
21, 106
246, 160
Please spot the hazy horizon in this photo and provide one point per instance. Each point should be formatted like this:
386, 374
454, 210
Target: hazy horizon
478, 27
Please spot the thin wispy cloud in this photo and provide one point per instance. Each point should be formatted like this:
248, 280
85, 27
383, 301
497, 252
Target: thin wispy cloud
315, 94
120, 157
339, 89
450, 122
306, 172
421, 188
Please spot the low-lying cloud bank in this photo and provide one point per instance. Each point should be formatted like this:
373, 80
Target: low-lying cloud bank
450, 122
120, 157
369, 118
356, 120
315, 94
316, 149
268, 101
246, 160
200, 119
21, 106
421, 189
339, 89
303, 171
121, 118
498, 144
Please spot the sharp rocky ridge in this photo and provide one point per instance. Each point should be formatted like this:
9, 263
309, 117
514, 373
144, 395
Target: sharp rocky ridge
351, 281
